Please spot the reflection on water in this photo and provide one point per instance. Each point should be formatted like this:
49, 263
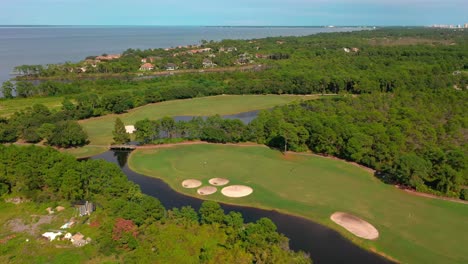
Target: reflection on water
323, 244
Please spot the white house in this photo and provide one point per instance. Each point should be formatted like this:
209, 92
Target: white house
51, 235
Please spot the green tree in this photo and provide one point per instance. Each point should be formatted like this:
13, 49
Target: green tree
7, 89
68, 134
120, 134
211, 212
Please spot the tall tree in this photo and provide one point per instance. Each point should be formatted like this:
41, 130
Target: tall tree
7, 89
120, 134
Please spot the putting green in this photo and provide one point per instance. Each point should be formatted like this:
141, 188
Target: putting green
412, 229
100, 129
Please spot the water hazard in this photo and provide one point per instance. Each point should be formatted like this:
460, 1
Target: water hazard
323, 244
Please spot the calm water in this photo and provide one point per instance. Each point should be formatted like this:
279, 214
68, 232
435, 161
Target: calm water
245, 117
324, 245
45, 45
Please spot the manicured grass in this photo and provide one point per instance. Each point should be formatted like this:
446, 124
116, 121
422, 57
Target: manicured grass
412, 229
100, 129
9, 107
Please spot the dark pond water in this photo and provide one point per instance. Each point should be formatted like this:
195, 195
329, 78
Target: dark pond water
245, 117
323, 244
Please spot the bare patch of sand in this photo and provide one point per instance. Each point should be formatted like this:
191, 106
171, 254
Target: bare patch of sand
355, 225
218, 181
236, 191
191, 183
207, 190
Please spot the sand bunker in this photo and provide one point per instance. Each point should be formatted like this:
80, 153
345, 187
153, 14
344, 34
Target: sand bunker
236, 191
191, 183
207, 190
218, 181
355, 225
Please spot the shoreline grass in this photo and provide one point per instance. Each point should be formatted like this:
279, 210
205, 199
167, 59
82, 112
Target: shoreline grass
413, 229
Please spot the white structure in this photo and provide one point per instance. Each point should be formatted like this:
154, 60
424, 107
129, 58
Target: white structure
51, 235
130, 129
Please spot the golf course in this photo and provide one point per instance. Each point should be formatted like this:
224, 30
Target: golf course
100, 129
411, 229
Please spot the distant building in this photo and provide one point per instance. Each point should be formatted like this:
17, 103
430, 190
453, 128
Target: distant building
147, 67
228, 49
207, 63
171, 67
355, 49
346, 50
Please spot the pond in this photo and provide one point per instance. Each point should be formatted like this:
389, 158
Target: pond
245, 117
322, 243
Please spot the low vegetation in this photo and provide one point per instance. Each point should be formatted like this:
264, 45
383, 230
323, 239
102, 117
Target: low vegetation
127, 227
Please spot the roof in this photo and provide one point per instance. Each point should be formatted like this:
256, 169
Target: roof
77, 236
147, 65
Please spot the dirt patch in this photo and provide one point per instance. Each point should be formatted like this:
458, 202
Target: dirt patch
236, 191
17, 225
207, 190
355, 225
218, 181
191, 183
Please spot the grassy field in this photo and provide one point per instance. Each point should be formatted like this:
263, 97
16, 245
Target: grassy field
9, 107
412, 229
100, 129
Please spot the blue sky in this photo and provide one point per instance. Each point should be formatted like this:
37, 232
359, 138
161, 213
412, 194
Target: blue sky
233, 12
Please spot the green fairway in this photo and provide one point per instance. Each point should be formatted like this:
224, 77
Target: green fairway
100, 129
10, 106
412, 229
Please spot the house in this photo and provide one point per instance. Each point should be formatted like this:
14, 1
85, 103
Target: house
228, 49
355, 49
207, 63
81, 70
211, 55
108, 57
78, 240
347, 50
280, 42
147, 67
51, 236
85, 208
171, 67
144, 60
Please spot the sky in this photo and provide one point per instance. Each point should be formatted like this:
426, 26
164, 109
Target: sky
233, 12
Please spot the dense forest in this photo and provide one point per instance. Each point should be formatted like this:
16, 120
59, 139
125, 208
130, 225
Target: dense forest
136, 228
414, 139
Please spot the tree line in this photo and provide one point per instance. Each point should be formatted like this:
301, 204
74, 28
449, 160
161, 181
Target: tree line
134, 227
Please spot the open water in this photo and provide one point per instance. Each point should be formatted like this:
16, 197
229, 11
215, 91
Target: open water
21, 45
